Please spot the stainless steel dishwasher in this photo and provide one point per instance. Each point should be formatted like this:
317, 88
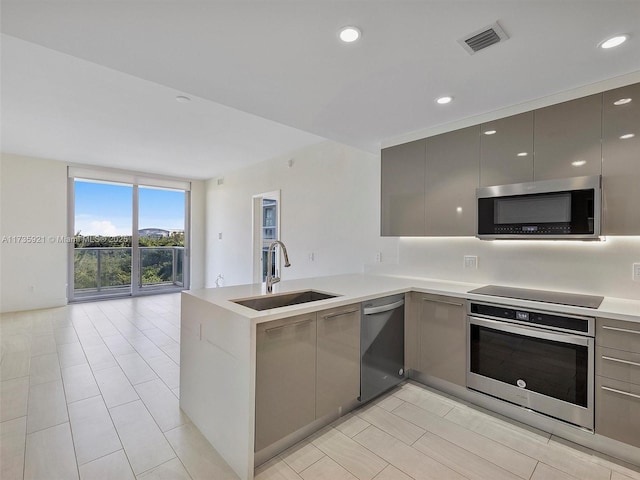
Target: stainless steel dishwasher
381, 346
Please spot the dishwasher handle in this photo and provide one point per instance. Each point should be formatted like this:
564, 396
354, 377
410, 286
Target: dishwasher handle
382, 308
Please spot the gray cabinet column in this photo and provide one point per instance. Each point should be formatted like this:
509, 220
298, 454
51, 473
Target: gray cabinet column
621, 161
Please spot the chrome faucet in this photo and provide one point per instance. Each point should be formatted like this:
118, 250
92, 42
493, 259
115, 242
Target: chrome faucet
270, 278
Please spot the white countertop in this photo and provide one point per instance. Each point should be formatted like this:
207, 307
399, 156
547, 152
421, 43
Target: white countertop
356, 288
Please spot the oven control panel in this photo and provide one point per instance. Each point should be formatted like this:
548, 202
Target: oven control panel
556, 321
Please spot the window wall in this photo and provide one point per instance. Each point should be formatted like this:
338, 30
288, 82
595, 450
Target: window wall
128, 238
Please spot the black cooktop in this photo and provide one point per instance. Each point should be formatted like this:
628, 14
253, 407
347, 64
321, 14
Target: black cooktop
560, 298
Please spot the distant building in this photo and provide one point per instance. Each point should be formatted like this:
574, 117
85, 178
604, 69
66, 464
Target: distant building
154, 232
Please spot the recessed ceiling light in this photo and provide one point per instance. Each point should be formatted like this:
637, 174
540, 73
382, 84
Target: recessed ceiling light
183, 99
490, 132
627, 135
622, 101
523, 154
349, 34
614, 41
578, 163
444, 100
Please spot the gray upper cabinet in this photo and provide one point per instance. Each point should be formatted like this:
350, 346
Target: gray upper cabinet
402, 189
621, 161
506, 156
452, 176
567, 139
428, 186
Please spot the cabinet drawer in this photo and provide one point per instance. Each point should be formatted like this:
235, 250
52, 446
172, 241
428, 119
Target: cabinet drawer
618, 410
618, 334
618, 364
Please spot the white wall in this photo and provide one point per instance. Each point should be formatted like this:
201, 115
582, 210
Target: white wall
198, 243
33, 202
330, 204
602, 268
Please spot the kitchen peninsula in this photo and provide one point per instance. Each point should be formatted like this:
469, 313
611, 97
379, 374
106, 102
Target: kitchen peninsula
218, 346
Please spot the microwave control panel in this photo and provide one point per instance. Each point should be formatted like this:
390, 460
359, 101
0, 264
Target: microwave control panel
544, 229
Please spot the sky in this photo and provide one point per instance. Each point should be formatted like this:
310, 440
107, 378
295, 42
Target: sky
106, 209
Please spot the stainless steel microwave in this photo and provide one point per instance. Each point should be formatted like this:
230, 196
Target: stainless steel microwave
567, 208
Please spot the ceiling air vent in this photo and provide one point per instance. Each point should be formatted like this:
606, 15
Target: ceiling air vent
483, 38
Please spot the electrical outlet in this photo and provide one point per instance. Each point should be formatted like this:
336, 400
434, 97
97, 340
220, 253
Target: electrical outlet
378, 257
470, 261
636, 271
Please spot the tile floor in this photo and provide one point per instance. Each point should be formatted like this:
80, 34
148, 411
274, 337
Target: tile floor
91, 391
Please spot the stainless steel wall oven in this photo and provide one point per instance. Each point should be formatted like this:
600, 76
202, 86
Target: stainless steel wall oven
537, 359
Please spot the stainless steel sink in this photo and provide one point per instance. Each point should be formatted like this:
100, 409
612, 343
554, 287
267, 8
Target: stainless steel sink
269, 301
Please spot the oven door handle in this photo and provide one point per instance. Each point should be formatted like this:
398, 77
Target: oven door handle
530, 331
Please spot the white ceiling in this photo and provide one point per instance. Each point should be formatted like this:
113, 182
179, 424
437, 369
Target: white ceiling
95, 81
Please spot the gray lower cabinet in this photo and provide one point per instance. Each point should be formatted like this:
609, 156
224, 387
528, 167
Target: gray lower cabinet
618, 410
285, 377
306, 367
452, 177
338, 359
567, 139
402, 204
442, 333
506, 156
620, 161
617, 396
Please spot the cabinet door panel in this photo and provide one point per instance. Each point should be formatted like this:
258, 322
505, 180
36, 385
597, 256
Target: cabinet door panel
617, 407
338, 359
443, 345
413, 308
621, 161
567, 139
453, 172
402, 189
507, 155
285, 377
